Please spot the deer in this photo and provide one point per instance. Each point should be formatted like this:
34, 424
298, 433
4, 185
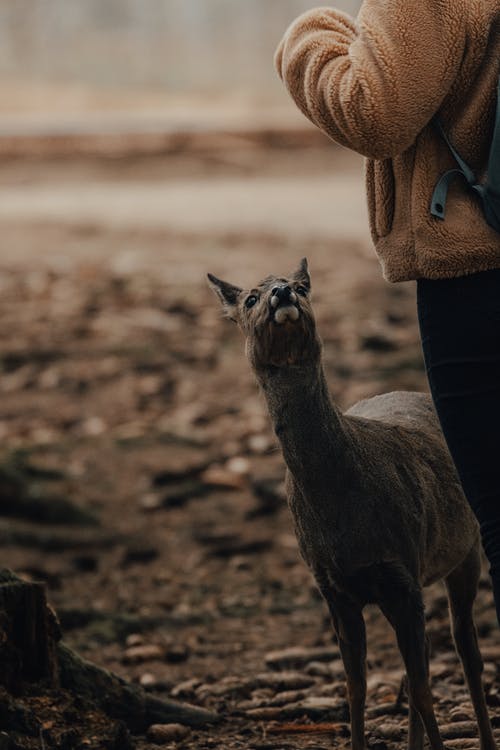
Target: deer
377, 505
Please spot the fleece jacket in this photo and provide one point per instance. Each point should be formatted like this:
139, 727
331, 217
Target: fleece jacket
373, 84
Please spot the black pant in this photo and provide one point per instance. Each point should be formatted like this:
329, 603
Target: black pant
460, 328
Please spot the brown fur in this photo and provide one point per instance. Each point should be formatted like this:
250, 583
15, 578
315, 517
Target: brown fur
373, 84
378, 508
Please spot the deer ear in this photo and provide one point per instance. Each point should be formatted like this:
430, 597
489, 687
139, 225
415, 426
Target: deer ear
227, 293
302, 274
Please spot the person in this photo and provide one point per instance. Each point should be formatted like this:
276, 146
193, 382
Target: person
375, 84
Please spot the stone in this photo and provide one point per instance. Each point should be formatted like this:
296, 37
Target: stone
491, 653
150, 502
238, 465
163, 733
222, 478
461, 713
389, 731
312, 707
134, 639
185, 689
318, 669
287, 697
459, 729
147, 681
297, 657
259, 444
138, 654
239, 686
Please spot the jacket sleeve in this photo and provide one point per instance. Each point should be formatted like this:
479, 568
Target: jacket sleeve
373, 83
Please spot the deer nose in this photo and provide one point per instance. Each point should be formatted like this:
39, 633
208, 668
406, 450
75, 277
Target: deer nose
282, 295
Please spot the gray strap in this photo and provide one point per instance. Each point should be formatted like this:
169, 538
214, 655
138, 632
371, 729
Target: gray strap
489, 193
440, 194
494, 158
464, 167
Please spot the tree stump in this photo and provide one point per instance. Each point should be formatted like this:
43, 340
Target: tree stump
32, 653
29, 633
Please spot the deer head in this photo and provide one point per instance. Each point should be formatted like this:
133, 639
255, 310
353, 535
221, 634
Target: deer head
275, 316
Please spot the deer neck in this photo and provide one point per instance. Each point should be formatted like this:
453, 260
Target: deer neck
311, 429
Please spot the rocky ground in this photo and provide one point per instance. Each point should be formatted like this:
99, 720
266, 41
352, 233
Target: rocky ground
125, 393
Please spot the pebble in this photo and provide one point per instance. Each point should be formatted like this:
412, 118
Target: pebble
138, 654
314, 707
238, 465
318, 669
276, 681
459, 729
383, 679
227, 686
491, 653
147, 681
259, 444
162, 733
218, 476
93, 426
287, 697
440, 671
185, 688
461, 713
389, 732
298, 657
268, 701
150, 501
134, 639
490, 670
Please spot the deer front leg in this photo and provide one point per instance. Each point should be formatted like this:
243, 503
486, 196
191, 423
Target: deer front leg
405, 612
350, 629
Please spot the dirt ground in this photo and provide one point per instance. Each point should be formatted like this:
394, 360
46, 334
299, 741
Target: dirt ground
121, 379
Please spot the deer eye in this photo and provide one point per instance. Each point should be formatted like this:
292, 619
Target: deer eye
250, 301
301, 290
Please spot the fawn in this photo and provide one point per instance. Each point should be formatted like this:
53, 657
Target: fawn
378, 508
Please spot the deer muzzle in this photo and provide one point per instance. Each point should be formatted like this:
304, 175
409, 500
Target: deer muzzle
283, 304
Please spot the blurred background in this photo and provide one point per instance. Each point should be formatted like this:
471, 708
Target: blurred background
144, 143
72, 55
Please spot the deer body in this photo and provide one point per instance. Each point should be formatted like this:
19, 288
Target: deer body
378, 508
373, 489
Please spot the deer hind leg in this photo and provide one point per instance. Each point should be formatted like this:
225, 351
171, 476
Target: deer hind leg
461, 585
405, 612
416, 731
349, 626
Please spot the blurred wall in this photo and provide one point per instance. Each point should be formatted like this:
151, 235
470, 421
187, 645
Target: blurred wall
181, 46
